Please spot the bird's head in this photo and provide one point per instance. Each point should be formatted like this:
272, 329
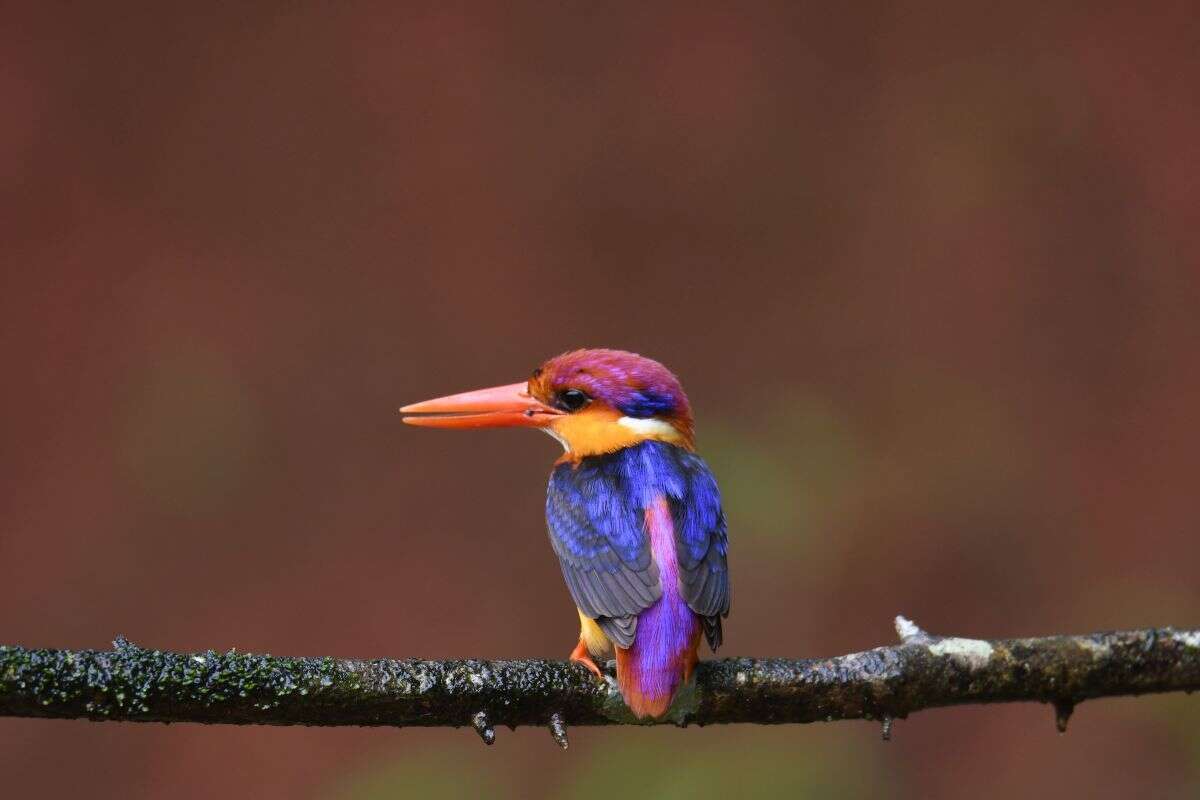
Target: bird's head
592, 401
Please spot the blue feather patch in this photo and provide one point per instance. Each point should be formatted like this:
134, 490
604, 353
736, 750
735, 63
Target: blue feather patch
596, 517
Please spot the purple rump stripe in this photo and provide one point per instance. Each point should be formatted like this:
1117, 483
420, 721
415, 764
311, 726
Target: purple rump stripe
666, 629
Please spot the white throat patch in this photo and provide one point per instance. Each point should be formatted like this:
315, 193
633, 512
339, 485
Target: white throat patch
648, 427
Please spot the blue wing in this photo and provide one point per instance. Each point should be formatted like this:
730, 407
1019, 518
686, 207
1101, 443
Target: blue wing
597, 529
701, 546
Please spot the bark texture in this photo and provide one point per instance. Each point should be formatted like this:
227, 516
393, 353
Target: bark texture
136, 684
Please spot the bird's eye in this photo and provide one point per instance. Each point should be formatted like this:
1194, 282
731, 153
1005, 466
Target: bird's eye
572, 400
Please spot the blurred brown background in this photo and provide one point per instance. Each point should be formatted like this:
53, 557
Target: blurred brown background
928, 272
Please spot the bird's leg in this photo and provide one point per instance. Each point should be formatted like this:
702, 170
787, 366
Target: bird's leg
580, 655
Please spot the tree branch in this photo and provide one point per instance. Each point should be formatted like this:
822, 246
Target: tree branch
131, 683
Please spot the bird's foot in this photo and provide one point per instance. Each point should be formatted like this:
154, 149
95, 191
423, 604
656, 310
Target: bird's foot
580, 655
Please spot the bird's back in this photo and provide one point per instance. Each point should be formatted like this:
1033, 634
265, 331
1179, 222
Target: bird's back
641, 539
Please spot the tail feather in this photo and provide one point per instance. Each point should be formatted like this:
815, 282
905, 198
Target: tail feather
649, 684
645, 697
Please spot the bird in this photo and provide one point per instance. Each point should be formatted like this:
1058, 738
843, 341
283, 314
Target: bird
633, 513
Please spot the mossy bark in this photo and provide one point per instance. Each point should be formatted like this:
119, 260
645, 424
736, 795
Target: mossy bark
131, 683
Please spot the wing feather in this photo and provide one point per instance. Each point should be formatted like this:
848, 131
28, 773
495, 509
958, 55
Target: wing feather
597, 530
701, 544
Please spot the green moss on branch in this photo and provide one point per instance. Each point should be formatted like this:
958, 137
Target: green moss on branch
131, 683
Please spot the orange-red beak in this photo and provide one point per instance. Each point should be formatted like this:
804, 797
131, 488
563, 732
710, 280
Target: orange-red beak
499, 407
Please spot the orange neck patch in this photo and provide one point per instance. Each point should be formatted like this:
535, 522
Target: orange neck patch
595, 431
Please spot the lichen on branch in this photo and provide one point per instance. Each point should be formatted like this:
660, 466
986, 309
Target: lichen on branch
137, 684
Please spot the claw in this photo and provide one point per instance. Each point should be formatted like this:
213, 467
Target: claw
580, 655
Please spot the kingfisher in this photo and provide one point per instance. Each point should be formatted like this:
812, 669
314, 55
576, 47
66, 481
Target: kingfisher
634, 514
